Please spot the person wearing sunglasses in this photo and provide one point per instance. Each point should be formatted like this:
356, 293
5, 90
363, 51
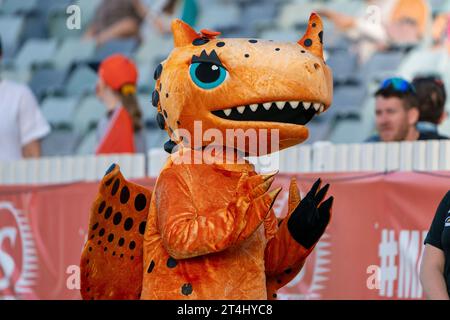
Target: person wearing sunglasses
397, 113
432, 97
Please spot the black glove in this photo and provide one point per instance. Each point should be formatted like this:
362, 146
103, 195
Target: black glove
308, 221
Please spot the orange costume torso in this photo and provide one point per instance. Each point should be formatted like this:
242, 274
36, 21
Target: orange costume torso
200, 248
207, 230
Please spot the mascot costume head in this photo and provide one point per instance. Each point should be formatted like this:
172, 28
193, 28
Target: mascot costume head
243, 83
207, 230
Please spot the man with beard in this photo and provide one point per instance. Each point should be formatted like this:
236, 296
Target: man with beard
397, 113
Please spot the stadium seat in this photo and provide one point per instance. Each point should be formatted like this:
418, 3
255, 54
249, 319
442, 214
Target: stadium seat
280, 35
60, 111
87, 144
348, 101
318, 131
57, 28
35, 27
437, 6
48, 82
123, 46
36, 21
73, 51
156, 138
350, 7
45, 7
35, 52
21, 76
87, 115
219, 17
88, 8
146, 83
57, 18
346, 131
19, 7
344, 65
11, 28
381, 65
148, 111
59, 143
81, 81
295, 15
258, 16
334, 40
423, 61
353, 130
153, 49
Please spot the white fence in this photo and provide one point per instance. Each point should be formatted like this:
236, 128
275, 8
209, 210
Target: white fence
430, 155
69, 169
321, 157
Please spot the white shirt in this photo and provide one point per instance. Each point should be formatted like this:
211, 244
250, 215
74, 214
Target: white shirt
102, 128
372, 23
21, 120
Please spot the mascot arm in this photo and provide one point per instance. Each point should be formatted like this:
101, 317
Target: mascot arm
297, 235
189, 232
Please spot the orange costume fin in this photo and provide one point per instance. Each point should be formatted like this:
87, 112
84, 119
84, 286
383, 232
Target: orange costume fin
183, 34
111, 262
313, 38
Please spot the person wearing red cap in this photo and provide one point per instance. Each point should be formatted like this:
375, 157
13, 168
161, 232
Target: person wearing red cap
121, 130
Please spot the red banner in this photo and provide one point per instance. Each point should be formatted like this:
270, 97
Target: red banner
371, 249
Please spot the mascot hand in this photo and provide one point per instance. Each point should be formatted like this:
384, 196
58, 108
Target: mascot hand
253, 202
308, 221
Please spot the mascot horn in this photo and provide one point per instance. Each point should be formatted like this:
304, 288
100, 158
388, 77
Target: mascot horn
207, 230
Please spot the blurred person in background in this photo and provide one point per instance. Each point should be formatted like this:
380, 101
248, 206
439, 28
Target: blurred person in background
22, 124
435, 265
432, 97
121, 130
397, 113
116, 19
383, 23
441, 30
160, 14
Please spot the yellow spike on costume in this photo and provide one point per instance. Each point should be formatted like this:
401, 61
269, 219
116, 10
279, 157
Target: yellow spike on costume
294, 196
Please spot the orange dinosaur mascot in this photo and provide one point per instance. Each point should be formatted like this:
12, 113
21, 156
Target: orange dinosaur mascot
207, 230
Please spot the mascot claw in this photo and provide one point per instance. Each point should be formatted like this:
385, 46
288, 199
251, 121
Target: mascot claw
310, 218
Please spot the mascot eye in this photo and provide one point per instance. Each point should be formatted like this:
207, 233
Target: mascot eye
207, 75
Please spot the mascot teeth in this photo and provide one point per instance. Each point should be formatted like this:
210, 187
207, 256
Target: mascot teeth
280, 104
321, 109
240, 109
254, 107
294, 104
281, 113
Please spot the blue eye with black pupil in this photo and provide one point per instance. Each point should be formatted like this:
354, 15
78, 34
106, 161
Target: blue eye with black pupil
207, 75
